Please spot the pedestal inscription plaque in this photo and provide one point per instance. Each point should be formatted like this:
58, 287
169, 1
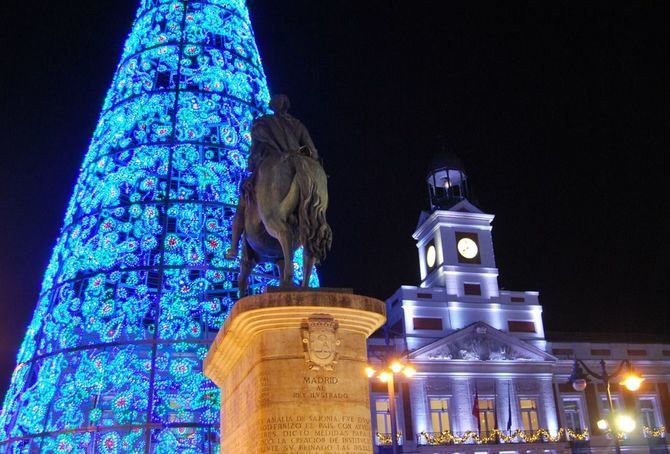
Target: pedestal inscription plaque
290, 366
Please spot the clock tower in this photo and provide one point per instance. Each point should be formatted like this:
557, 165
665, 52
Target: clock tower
454, 239
458, 274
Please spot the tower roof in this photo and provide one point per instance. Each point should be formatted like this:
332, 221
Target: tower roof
446, 160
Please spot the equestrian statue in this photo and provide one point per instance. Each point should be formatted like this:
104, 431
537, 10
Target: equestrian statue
283, 202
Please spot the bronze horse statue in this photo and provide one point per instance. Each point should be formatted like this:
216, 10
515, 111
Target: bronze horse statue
285, 210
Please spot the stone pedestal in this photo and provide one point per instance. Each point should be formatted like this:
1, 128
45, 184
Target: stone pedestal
290, 366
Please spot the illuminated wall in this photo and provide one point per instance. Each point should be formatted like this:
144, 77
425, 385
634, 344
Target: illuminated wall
138, 285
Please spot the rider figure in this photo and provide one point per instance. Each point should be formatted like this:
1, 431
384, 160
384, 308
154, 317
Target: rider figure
279, 132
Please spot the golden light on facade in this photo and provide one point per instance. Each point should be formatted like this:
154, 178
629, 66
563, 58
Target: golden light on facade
632, 381
602, 424
384, 377
387, 374
624, 423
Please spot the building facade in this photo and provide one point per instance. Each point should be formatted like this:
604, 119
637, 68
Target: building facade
488, 378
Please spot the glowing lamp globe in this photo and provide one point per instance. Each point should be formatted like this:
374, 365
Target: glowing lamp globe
624, 423
579, 384
632, 382
409, 371
396, 367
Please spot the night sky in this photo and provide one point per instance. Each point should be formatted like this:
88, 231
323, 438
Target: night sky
559, 111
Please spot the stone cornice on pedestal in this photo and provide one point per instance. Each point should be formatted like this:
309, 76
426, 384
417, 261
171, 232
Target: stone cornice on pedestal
281, 310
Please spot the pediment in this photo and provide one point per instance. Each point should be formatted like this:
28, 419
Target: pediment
480, 342
462, 206
465, 206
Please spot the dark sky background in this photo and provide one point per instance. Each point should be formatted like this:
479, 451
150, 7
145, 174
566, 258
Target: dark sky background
559, 111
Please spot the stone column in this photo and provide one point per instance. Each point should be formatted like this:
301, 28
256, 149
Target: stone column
516, 417
462, 406
549, 405
419, 404
290, 366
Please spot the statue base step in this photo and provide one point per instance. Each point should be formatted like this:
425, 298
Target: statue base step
274, 289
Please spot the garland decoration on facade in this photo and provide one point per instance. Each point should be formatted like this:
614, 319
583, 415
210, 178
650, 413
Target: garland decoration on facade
654, 432
497, 435
384, 439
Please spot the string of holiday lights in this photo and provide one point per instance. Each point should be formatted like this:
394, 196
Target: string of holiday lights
654, 432
384, 439
138, 283
497, 435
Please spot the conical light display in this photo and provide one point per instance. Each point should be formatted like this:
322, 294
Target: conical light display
138, 285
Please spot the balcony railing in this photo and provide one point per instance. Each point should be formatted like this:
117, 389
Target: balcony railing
500, 436
653, 432
384, 439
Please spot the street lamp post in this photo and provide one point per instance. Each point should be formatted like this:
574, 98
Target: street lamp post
394, 424
632, 381
387, 375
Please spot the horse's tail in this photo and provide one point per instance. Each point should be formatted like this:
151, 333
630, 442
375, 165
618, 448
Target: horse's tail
314, 232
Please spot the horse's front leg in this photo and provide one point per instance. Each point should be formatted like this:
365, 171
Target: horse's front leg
287, 275
280, 267
307, 265
246, 265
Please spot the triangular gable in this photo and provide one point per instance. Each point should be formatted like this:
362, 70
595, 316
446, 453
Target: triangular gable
462, 206
465, 206
480, 342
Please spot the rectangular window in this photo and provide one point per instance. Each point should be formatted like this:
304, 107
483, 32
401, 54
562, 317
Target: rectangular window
563, 351
382, 416
529, 417
425, 296
648, 415
605, 406
517, 326
600, 352
472, 289
518, 299
572, 408
428, 323
487, 414
439, 414
635, 352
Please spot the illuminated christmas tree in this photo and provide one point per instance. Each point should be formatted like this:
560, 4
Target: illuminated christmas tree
138, 286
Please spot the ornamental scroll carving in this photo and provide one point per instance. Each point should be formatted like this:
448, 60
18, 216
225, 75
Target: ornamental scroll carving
479, 345
320, 342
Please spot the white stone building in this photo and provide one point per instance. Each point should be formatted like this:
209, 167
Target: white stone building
467, 338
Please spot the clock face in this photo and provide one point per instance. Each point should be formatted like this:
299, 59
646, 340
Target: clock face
431, 256
467, 248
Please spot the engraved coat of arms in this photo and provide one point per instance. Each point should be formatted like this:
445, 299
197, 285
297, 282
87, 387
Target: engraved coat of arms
319, 340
